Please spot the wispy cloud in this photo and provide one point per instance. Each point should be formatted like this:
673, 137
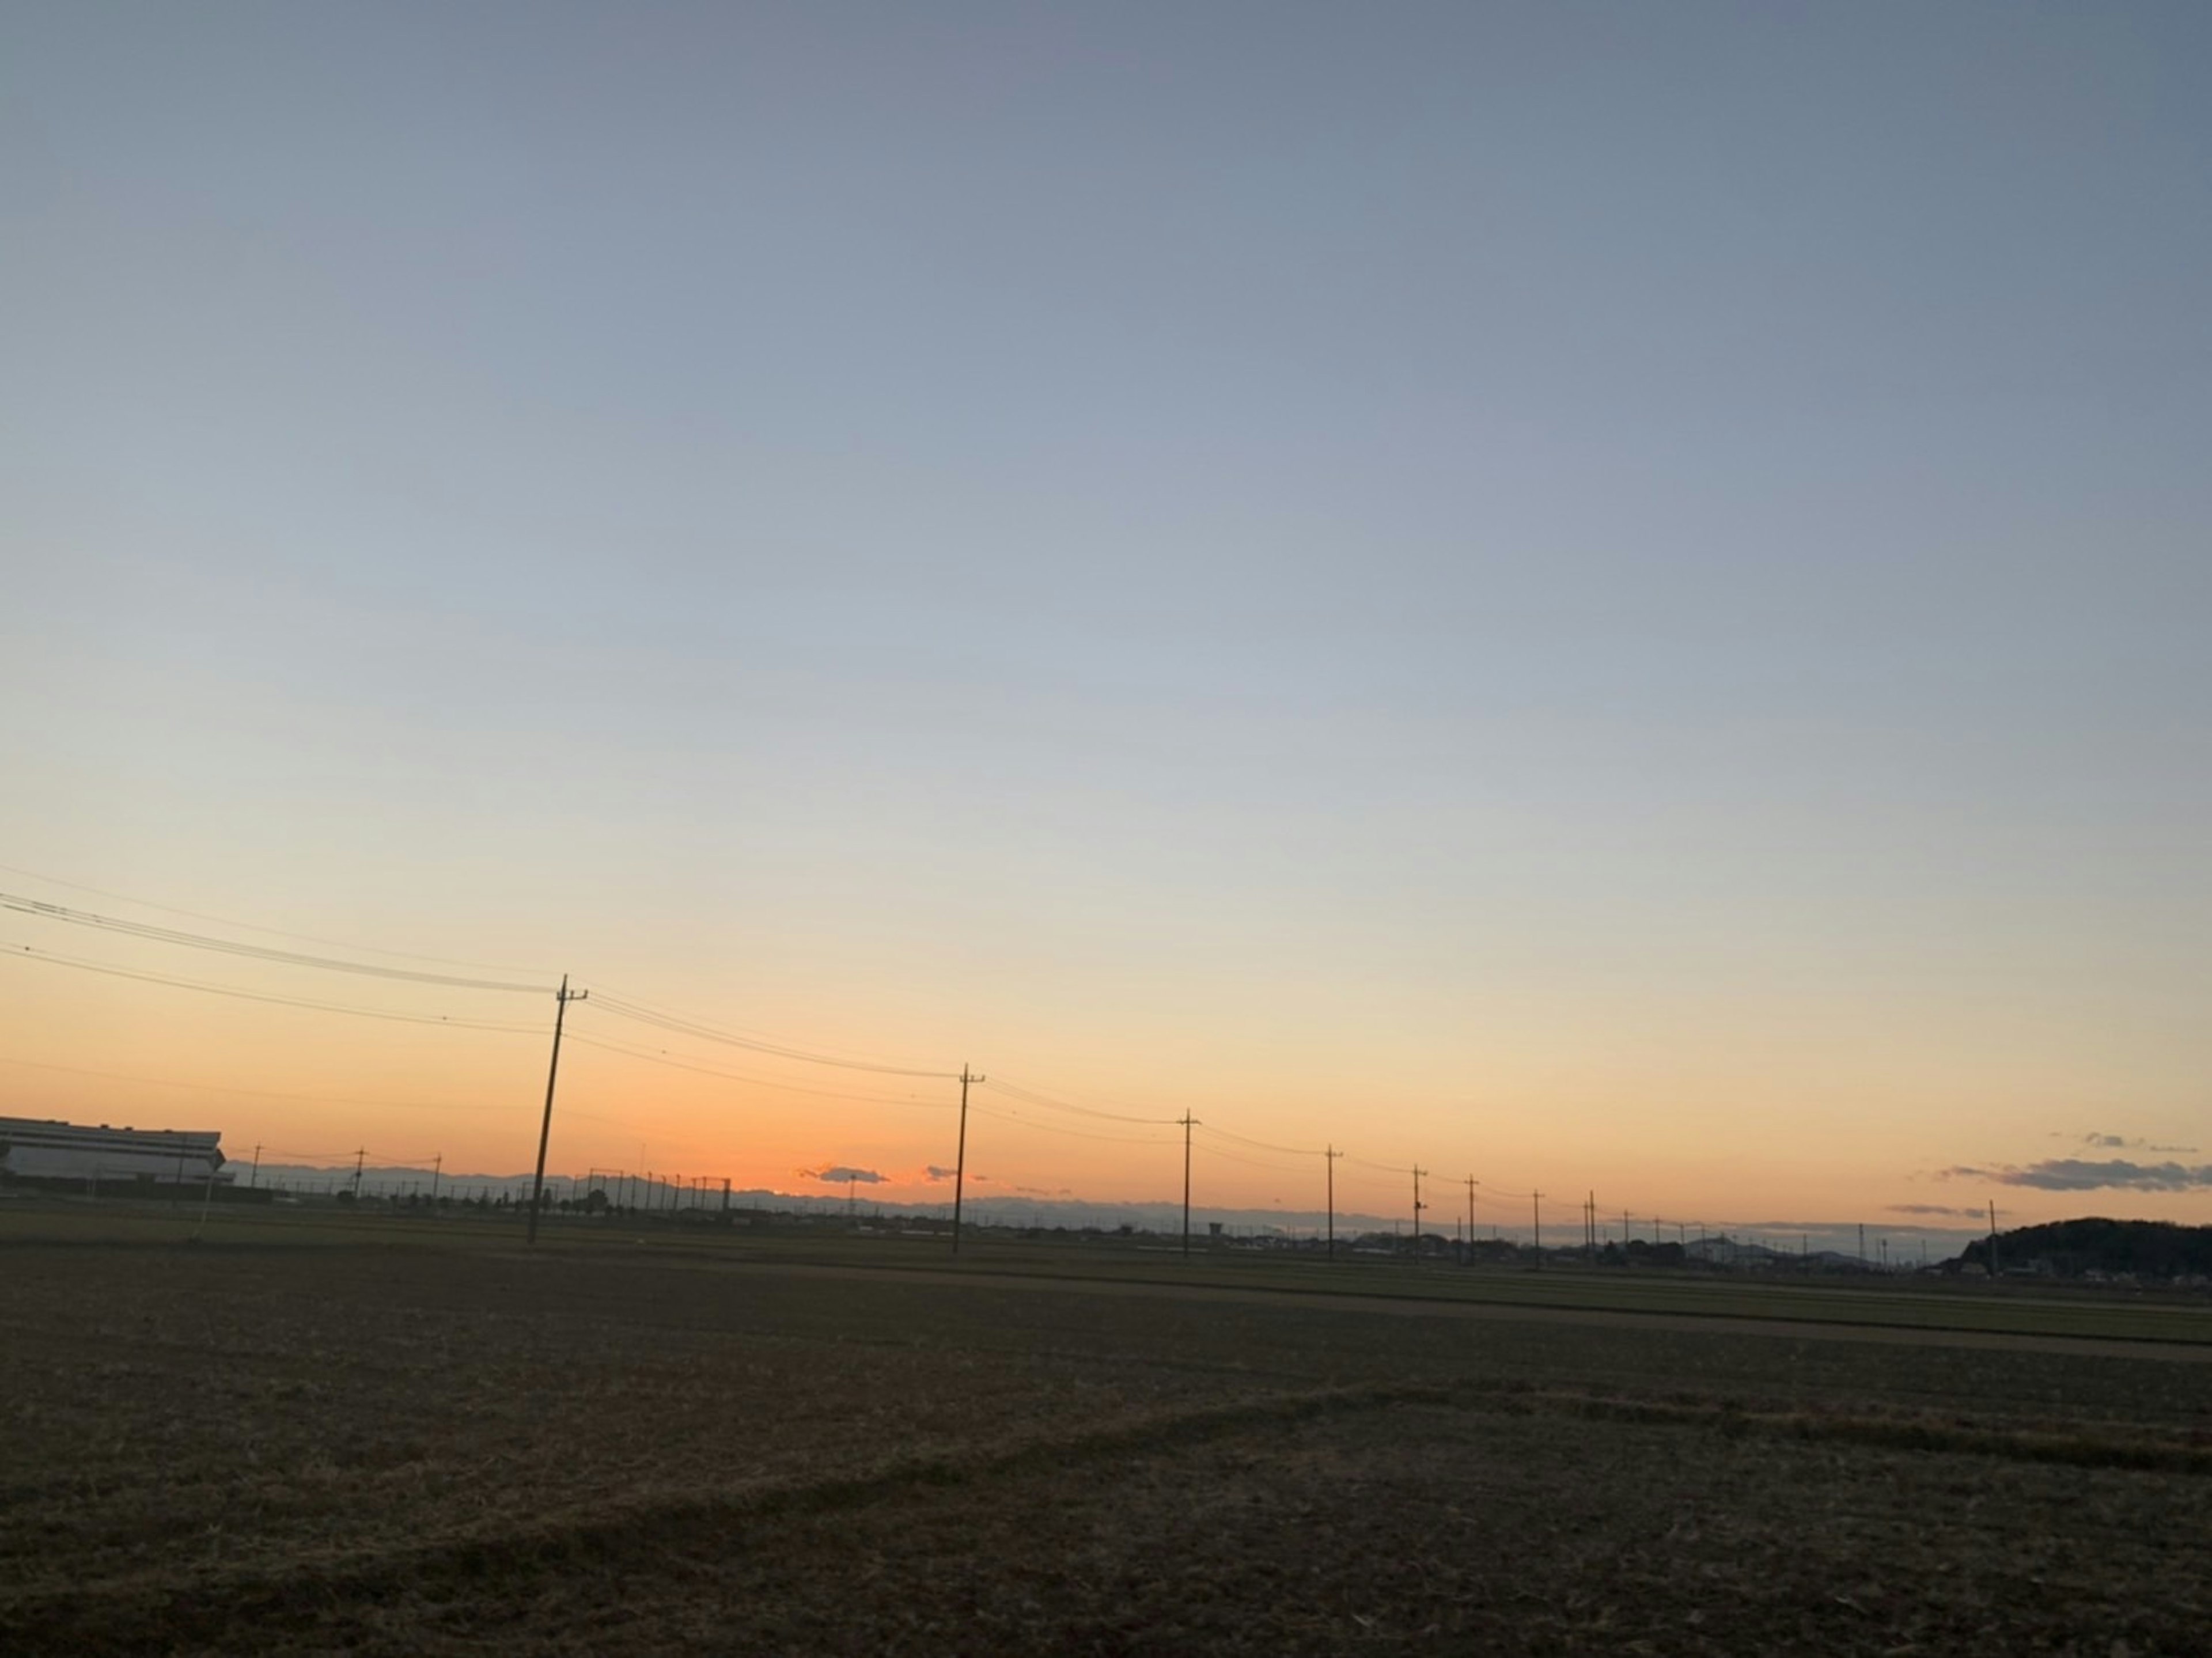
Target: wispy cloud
837, 1174
933, 1172
2127, 1143
2081, 1175
1933, 1209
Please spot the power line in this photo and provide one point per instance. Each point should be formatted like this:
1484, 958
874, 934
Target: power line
1264, 1145
1249, 1163
1072, 1134
761, 1082
249, 927
1039, 1096
253, 1093
32, 952
1379, 1168
258, 952
1049, 1103
675, 1022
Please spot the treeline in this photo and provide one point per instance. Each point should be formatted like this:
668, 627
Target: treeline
2147, 1249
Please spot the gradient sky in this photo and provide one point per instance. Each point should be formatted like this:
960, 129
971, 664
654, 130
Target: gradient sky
1609, 596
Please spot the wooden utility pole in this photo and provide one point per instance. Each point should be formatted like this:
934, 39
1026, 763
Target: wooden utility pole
1331, 1154
360, 1154
437, 1168
255, 1178
1417, 1206
1189, 1122
1470, 1220
960, 1161
1536, 1200
561, 999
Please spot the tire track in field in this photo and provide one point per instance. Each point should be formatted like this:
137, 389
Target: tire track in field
2180, 1350
230, 1609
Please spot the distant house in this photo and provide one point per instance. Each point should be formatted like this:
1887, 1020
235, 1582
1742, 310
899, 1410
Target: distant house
39, 1153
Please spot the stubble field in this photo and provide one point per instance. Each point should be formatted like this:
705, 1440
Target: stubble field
293, 1438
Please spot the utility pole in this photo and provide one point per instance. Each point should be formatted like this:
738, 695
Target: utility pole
255, 1178
437, 1168
1188, 1122
1536, 1203
561, 1000
960, 1163
1331, 1154
1417, 1206
360, 1153
1470, 1220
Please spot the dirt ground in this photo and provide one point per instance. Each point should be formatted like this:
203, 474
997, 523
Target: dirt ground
365, 1448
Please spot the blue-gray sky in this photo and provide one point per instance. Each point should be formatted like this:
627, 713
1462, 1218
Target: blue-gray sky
1527, 564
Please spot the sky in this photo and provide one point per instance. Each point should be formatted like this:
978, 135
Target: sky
1608, 598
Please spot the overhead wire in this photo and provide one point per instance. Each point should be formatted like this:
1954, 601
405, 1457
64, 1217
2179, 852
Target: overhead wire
146, 930
32, 952
1047, 1102
1076, 1133
1379, 1168
1263, 1145
762, 1082
999, 1080
250, 1093
249, 927
1253, 1162
623, 1008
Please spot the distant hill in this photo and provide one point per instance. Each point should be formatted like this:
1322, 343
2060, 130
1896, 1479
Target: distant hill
2147, 1249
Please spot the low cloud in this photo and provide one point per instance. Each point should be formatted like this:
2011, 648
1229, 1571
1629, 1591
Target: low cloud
2123, 1142
1933, 1209
2082, 1174
839, 1175
932, 1172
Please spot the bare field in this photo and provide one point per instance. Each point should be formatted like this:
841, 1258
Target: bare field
324, 1438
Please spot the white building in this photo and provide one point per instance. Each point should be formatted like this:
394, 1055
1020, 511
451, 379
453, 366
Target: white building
61, 1153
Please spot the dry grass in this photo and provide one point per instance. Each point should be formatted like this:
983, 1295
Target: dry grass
461, 1450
